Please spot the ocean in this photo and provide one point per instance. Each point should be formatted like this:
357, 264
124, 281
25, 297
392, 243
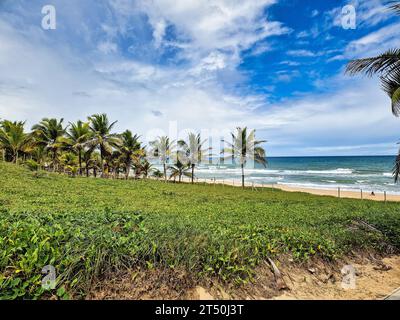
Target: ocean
370, 173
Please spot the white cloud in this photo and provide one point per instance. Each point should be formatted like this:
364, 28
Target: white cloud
303, 34
375, 42
159, 32
209, 26
290, 63
301, 53
371, 44
107, 47
314, 13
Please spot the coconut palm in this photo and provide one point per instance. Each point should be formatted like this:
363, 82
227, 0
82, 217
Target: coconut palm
76, 140
39, 155
13, 139
163, 148
115, 162
102, 137
130, 147
180, 169
92, 161
245, 147
143, 167
193, 151
157, 174
387, 66
48, 133
69, 163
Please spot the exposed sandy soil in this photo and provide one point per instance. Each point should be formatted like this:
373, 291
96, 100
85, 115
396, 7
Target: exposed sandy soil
375, 279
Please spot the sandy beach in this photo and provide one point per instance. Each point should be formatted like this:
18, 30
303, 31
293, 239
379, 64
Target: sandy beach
321, 192
343, 194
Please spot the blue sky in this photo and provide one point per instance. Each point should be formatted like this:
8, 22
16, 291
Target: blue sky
164, 66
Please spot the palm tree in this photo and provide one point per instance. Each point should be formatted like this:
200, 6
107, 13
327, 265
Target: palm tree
48, 133
157, 174
143, 167
244, 147
92, 161
39, 154
193, 150
130, 146
77, 139
69, 161
115, 162
13, 139
102, 136
180, 169
387, 66
163, 149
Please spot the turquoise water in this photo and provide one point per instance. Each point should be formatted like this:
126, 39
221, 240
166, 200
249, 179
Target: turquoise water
370, 173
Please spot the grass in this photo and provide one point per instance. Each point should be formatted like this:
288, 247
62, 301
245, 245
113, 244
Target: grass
90, 227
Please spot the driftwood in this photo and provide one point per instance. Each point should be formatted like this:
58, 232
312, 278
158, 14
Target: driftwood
280, 283
368, 226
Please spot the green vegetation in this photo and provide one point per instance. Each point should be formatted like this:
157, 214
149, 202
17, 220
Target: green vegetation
91, 227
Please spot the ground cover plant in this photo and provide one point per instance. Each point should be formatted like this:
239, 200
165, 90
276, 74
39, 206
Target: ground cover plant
88, 227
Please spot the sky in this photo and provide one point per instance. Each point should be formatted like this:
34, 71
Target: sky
173, 66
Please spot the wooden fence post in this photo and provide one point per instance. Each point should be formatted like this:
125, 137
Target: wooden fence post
339, 192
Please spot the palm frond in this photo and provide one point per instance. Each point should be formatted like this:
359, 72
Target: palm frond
391, 85
383, 64
395, 6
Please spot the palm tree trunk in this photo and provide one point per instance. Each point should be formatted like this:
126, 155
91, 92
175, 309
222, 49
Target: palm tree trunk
242, 175
102, 163
54, 159
128, 170
80, 162
165, 172
193, 173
